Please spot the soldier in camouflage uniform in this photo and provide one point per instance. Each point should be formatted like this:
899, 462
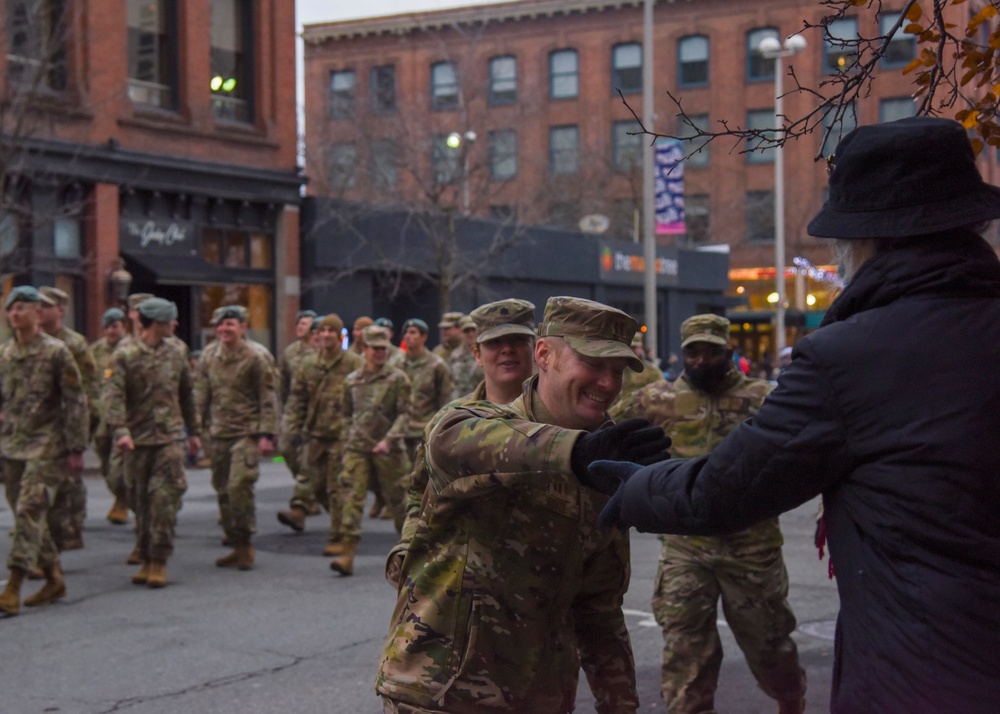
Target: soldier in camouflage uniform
149, 402
115, 335
376, 412
508, 586
465, 371
313, 419
396, 355
236, 395
451, 334
69, 511
44, 431
746, 569
634, 381
430, 382
357, 334
287, 366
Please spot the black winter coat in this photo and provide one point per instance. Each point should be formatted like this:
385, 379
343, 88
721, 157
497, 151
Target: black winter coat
892, 412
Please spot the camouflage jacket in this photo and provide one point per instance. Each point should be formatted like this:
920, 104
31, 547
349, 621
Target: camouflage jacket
376, 407
103, 352
696, 423
314, 405
42, 402
396, 357
85, 361
446, 348
632, 382
149, 395
430, 381
465, 373
289, 363
508, 585
235, 393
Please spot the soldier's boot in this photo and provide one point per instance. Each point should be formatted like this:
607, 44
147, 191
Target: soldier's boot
227, 561
35, 574
157, 577
386, 514
294, 518
334, 547
376, 508
791, 706
135, 557
54, 588
118, 513
315, 509
10, 598
73, 542
345, 563
245, 556
142, 576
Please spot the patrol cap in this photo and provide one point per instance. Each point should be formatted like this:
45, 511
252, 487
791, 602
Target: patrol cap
112, 316
451, 319
332, 320
710, 328
467, 323
384, 322
22, 293
504, 317
376, 336
58, 297
158, 310
363, 322
137, 299
231, 312
591, 328
304, 313
637, 340
418, 323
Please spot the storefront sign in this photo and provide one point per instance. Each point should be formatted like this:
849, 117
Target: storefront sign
624, 263
147, 235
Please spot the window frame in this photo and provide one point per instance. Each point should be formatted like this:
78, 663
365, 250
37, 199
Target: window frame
830, 50
687, 40
46, 56
886, 21
617, 69
766, 156
379, 105
747, 207
573, 74
438, 104
352, 176
343, 100
495, 97
556, 153
697, 159
494, 139
624, 145
238, 108
753, 54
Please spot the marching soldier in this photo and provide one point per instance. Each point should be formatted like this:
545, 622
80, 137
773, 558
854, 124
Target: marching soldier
287, 366
116, 335
465, 371
451, 334
430, 381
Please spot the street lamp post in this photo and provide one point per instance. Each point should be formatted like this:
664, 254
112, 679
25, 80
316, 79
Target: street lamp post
771, 48
463, 141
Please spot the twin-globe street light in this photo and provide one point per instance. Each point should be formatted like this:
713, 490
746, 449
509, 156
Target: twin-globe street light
455, 141
771, 48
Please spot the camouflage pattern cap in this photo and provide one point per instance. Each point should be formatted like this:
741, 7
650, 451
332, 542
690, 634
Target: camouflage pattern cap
637, 340
504, 317
376, 336
137, 299
710, 328
158, 310
304, 313
467, 323
418, 323
591, 328
451, 319
57, 296
332, 320
112, 316
22, 293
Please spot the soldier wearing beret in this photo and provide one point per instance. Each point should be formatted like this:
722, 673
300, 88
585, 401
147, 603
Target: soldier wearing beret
287, 366
236, 396
115, 326
149, 403
430, 381
465, 372
505, 622
450, 329
45, 430
709, 399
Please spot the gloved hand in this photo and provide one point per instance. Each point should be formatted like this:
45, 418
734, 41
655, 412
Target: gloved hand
394, 564
633, 440
608, 472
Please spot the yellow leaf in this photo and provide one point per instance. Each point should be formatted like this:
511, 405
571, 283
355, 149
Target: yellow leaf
988, 12
914, 13
912, 66
961, 114
995, 89
913, 29
969, 121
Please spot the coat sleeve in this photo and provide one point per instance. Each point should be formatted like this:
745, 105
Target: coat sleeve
75, 403
114, 397
186, 396
267, 397
296, 403
404, 401
792, 450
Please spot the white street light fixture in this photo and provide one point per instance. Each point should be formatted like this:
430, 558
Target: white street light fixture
770, 48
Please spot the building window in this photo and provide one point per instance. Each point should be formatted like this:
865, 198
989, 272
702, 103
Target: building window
692, 61
896, 108
232, 60
385, 161
696, 219
503, 154
840, 48
902, 47
564, 74
626, 145
760, 216
36, 44
564, 150
626, 68
342, 93
341, 162
696, 150
67, 238
444, 86
839, 128
503, 80
383, 89
760, 119
759, 67
444, 160
152, 42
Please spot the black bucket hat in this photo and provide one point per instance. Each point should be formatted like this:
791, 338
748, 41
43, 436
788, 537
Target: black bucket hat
904, 178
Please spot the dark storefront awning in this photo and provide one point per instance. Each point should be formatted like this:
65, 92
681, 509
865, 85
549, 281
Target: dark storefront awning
191, 270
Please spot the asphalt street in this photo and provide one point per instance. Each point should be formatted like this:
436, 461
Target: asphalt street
292, 636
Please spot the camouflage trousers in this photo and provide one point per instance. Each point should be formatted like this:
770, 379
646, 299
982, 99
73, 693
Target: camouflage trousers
389, 470
112, 465
69, 510
31, 488
319, 481
235, 470
155, 484
747, 571
391, 706
292, 456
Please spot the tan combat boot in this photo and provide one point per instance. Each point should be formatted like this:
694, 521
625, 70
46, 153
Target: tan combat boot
334, 547
73, 543
376, 508
345, 563
135, 557
118, 513
294, 518
54, 588
242, 558
10, 599
34, 574
157, 577
142, 576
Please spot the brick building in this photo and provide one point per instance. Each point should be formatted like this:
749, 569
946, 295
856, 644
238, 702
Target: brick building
161, 131
512, 110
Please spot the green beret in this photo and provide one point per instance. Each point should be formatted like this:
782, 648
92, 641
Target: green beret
232, 312
384, 322
305, 313
22, 293
418, 323
314, 327
158, 310
111, 316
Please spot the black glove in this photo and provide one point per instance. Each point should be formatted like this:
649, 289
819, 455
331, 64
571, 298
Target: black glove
618, 472
633, 440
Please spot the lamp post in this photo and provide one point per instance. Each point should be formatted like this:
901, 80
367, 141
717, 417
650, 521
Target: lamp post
771, 48
463, 141
120, 281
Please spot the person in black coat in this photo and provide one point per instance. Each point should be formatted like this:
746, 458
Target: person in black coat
891, 411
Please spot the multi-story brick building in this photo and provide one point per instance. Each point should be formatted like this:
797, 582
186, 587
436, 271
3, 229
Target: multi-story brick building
391, 103
161, 131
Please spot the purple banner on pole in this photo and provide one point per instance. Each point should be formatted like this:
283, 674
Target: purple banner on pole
668, 179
